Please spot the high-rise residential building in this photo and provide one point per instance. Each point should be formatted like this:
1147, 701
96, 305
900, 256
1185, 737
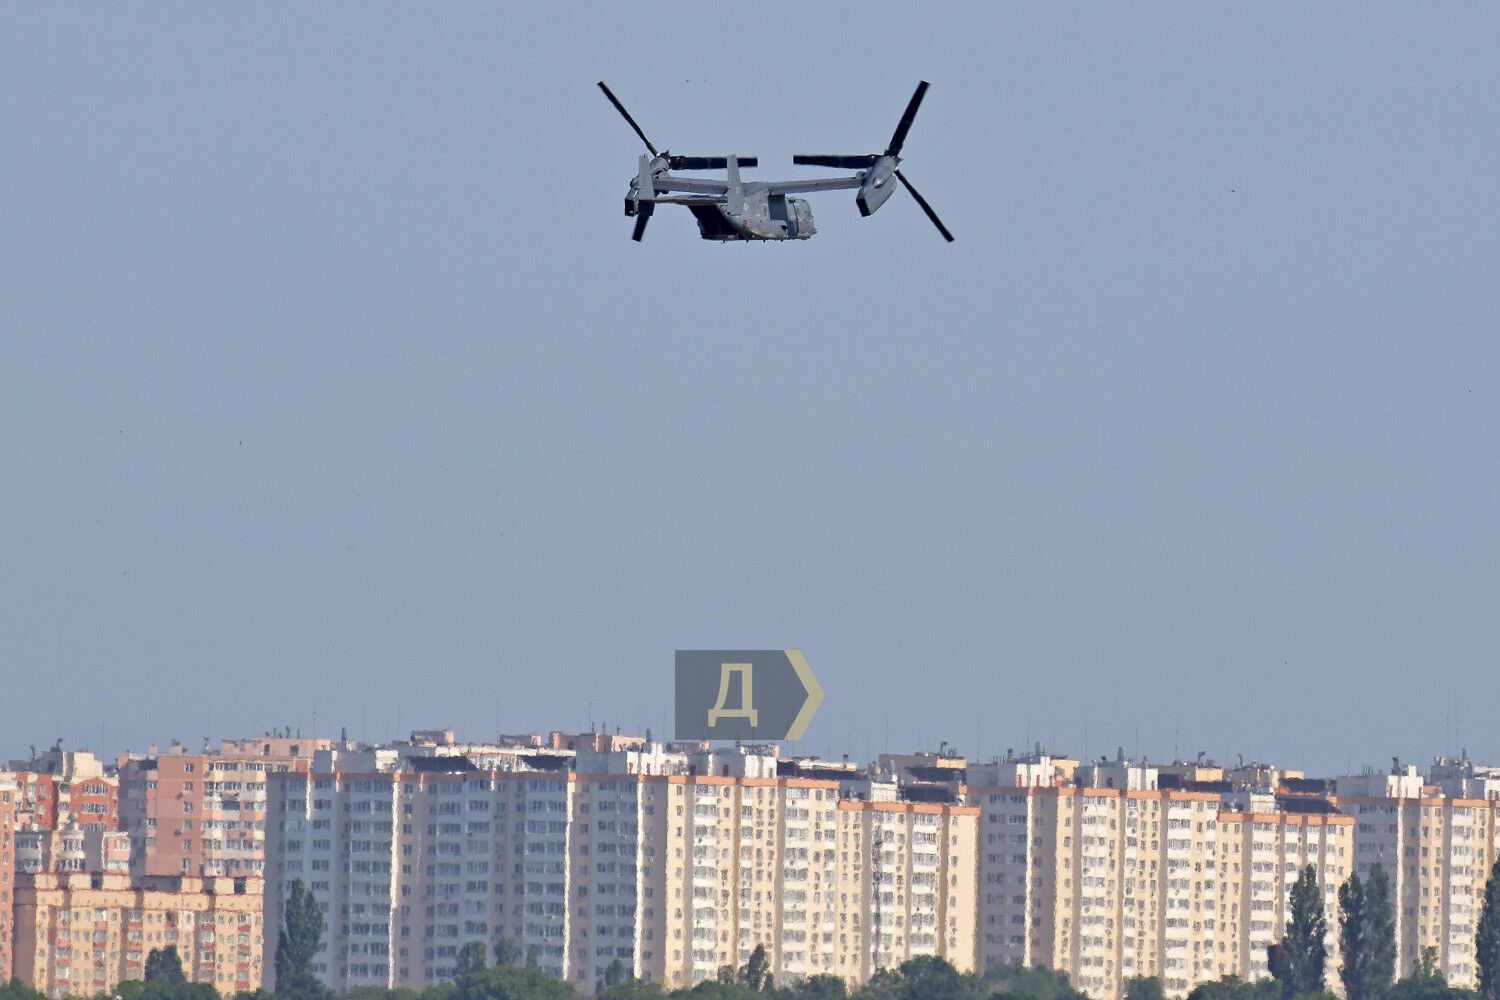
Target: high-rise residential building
60, 788
1111, 876
1436, 842
8, 795
675, 863
82, 935
90, 849
906, 886
203, 814
1261, 853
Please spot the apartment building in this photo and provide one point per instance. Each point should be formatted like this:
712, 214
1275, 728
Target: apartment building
1111, 876
203, 814
8, 796
1261, 853
80, 935
59, 788
91, 849
1106, 879
1436, 842
906, 886
675, 862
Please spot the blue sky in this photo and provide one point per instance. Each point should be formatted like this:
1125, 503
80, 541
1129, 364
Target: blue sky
330, 379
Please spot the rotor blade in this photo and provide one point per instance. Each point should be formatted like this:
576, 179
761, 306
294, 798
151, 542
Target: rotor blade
707, 162
626, 115
926, 207
643, 212
899, 139
859, 162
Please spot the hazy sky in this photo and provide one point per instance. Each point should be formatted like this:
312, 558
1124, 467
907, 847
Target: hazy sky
331, 383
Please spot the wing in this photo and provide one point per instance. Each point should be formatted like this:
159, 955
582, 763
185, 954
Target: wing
692, 185
817, 184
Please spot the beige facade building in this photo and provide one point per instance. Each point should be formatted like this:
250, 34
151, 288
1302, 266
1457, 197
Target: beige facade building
674, 863
84, 934
1436, 843
911, 872
1260, 855
1112, 877
72, 848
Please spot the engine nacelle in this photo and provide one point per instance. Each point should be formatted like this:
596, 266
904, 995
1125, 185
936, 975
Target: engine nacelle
879, 184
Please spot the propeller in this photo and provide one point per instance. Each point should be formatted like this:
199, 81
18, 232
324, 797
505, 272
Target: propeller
642, 207
626, 115
899, 138
708, 162
841, 162
642, 215
880, 166
920, 201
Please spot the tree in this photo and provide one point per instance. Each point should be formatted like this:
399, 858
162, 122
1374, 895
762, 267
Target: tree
470, 960
1298, 961
1487, 938
1381, 920
1144, 988
1280, 967
506, 952
13, 990
296, 944
927, 977
1235, 988
1426, 982
1354, 939
822, 987
753, 975
164, 968
614, 973
631, 988
504, 982
1019, 982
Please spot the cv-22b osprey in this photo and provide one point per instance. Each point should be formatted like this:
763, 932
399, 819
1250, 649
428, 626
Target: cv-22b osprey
732, 209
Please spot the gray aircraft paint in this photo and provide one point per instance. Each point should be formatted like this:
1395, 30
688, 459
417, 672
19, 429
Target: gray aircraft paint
735, 210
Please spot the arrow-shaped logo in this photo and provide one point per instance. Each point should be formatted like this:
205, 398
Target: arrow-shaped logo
745, 694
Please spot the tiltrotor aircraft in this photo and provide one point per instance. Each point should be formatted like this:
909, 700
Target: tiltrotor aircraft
732, 209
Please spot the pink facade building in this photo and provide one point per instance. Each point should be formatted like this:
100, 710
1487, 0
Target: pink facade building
204, 814
61, 788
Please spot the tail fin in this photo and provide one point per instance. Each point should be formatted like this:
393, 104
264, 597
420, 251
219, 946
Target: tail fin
735, 201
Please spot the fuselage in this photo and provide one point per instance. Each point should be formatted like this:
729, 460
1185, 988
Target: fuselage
764, 217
